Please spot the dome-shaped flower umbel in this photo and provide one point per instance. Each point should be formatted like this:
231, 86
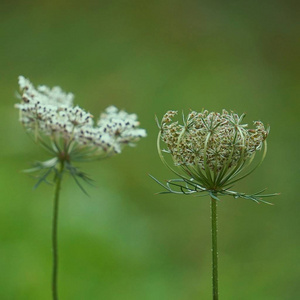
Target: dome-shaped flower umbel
210, 151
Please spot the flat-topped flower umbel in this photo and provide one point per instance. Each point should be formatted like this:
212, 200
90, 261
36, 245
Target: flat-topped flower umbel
69, 134
50, 112
210, 152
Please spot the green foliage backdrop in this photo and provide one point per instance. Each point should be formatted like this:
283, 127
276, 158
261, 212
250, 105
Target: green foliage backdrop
124, 242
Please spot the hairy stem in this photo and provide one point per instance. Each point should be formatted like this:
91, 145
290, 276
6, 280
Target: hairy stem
54, 231
214, 249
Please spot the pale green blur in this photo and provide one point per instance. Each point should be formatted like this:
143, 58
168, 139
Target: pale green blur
124, 242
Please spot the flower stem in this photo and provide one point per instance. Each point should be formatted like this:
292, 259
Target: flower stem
214, 249
54, 231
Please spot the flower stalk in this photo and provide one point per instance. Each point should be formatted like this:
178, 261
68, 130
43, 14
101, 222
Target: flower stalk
54, 229
214, 248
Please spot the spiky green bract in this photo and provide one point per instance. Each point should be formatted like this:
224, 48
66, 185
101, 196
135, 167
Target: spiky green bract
47, 171
211, 152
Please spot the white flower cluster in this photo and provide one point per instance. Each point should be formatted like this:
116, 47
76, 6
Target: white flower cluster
51, 112
211, 139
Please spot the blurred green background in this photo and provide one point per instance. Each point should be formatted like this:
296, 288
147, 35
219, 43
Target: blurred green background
147, 57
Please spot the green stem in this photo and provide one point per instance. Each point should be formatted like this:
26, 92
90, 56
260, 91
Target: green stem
214, 249
54, 231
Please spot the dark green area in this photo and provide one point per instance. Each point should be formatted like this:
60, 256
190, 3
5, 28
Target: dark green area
124, 242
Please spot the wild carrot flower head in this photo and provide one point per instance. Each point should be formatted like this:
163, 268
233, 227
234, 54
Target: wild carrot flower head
210, 151
68, 131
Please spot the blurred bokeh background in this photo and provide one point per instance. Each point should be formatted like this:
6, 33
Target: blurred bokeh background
124, 242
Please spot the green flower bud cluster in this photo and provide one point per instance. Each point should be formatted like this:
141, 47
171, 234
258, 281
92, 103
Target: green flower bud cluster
211, 139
